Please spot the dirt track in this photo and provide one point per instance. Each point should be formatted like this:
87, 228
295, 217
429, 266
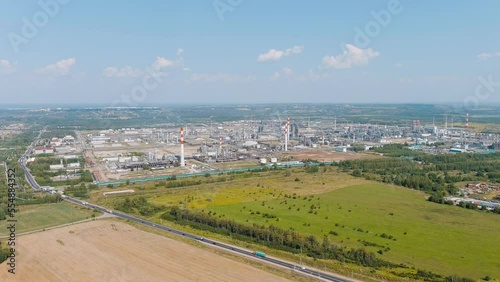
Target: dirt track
95, 251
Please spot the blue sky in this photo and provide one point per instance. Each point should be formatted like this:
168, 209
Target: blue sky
243, 51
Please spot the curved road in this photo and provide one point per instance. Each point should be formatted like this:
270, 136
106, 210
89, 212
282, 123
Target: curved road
311, 272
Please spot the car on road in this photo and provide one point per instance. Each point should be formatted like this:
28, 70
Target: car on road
259, 254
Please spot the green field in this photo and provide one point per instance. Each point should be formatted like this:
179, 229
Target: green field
34, 217
352, 212
429, 236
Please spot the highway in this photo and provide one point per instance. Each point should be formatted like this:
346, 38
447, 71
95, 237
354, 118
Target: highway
311, 272
22, 163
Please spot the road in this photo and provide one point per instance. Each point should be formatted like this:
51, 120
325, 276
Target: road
22, 163
311, 272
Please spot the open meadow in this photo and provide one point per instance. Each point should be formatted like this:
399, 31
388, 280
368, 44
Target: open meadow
35, 217
397, 224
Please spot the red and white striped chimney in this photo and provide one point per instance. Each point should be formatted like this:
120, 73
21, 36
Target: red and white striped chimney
287, 127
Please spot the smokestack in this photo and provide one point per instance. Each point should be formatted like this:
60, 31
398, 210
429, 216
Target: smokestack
182, 147
220, 142
467, 121
287, 126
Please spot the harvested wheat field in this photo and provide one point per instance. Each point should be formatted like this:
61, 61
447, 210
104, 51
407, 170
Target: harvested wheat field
99, 251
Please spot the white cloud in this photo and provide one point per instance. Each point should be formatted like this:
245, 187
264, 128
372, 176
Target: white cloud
398, 65
294, 50
351, 57
486, 56
276, 76
180, 51
283, 73
62, 67
311, 75
6, 66
275, 55
161, 63
156, 67
224, 77
287, 71
127, 71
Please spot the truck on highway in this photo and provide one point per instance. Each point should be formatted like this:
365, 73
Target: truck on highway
259, 254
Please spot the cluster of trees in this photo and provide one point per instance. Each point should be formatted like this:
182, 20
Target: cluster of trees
4, 254
81, 191
139, 205
58, 132
396, 150
311, 168
431, 276
17, 145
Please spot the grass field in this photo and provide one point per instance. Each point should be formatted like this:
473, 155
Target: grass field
426, 235
355, 213
34, 217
